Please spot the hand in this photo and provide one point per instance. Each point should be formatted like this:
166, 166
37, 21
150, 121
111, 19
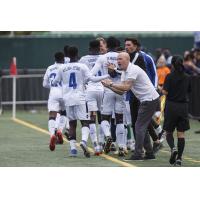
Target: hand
106, 82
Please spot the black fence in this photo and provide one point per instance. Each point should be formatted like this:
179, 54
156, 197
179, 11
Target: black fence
30, 89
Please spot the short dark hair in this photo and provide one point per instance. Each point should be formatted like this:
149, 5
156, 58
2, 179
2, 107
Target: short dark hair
134, 41
59, 57
73, 52
66, 48
112, 42
94, 45
177, 62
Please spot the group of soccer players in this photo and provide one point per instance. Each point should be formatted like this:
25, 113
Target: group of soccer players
76, 93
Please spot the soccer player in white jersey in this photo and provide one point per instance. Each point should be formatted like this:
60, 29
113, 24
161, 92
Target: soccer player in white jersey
111, 100
74, 75
94, 94
55, 101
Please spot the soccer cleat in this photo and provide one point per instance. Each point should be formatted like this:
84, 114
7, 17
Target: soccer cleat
100, 148
52, 144
113, 147
59, 137
173, 156
121, 152
130, 145
85, 149
107, 144
178, 163
73, 152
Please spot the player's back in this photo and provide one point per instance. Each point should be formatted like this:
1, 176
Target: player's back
51, 73
74, 76
90, 61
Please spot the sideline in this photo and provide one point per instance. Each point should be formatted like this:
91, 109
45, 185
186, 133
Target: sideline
29, 125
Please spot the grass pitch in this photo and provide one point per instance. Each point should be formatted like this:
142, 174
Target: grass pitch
22, 146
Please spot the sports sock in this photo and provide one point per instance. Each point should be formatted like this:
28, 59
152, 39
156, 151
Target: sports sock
93, 133
170, 140
72, 144
100, 134
120, 134
62, 123
51, 126
105, 128
85, 133
181, 146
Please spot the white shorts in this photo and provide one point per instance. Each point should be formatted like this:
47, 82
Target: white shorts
127, 113
77, 112
112, 101
56, 104
94, 100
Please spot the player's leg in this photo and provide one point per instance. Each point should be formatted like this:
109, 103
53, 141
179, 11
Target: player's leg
108, 106
71, 136
53, 107
83, 115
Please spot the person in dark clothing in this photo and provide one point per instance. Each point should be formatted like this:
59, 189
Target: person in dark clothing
176, 88
132, 47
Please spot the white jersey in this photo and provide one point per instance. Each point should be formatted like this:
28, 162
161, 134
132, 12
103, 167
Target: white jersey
102, 64
74, 75
90, 61
51, 73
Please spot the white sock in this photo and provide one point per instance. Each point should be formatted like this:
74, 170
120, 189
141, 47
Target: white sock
105, 128
57, 121
51, 126
85, 133
120, 134
67, 123
72, 144
62, 123
93, 133
100, 134
125, 135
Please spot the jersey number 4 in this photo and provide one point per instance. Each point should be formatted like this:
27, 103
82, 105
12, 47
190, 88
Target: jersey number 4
72, 80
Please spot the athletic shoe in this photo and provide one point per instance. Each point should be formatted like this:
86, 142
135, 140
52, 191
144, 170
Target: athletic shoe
121, 152
73, 152
59, 137
97, 150
52, 144
178, 163
149, 157
173, 156
134, 158
85, 149
156, 147
107, 144
113, 147
130, 145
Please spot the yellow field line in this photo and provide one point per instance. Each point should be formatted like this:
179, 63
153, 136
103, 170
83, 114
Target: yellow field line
185, 157
29, 125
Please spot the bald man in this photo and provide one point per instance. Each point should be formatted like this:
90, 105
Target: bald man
135, 79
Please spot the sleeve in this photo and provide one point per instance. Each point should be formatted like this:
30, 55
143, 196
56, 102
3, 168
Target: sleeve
166, 85
97, 66
132, 75
46, 83
90, 77
152, 69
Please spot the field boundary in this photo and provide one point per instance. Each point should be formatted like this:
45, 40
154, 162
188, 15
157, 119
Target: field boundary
37, 128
